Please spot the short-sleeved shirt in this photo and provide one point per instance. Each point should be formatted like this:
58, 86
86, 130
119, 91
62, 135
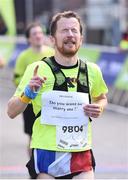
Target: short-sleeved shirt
44, 136
27, 57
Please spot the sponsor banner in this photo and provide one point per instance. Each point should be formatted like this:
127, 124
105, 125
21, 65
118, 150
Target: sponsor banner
114, 66
122, 79
111, 64
84, 54
7, 11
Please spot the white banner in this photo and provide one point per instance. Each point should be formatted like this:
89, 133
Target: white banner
64, 108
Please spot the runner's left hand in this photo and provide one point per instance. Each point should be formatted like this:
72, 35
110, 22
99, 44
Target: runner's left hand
93, 110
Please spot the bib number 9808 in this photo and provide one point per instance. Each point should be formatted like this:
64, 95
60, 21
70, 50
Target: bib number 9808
71, 129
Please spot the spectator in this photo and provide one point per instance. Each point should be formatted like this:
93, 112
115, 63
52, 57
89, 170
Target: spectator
124, 41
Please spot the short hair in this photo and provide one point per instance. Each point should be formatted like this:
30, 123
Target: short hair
29, 27
65, 14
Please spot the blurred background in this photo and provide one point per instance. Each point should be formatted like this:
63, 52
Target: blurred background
105, 43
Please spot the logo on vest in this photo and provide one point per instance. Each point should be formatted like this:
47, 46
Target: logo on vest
70, 82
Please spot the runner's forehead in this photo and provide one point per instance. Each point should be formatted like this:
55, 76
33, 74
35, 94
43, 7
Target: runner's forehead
68, 23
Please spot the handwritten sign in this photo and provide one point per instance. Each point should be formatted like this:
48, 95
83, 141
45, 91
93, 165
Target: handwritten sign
64, 108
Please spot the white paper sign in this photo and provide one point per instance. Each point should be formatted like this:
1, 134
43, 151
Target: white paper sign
64, 108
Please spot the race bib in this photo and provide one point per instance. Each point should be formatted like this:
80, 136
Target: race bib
71, 137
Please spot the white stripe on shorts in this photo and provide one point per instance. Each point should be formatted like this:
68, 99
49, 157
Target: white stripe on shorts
35, 161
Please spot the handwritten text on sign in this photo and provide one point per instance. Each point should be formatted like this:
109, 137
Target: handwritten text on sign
64, 108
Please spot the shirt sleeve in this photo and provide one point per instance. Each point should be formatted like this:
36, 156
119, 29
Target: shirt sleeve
98, 84
19, 69
25, 80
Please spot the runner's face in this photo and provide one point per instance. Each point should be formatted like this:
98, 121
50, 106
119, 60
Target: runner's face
67, 39
36, 36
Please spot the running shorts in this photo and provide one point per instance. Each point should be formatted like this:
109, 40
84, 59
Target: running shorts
29, 118
62, 165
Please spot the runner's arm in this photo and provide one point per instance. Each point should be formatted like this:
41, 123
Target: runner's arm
101, 100
15, 107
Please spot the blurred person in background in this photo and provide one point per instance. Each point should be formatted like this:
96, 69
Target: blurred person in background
3, 27
60, 151
124, 41
35, 52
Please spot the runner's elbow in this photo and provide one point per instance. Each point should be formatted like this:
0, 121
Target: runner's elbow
10, 111
12, 116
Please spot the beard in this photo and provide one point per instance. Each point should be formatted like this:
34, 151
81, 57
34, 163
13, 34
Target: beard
68, 48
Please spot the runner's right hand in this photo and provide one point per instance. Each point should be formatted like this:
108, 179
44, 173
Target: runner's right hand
36, 82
